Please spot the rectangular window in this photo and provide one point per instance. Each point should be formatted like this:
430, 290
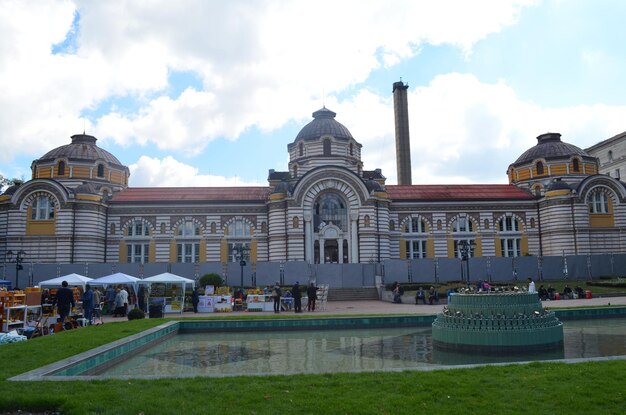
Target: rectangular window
42, 209
188, 252
470, 249
510, 247
137, 253
415, 249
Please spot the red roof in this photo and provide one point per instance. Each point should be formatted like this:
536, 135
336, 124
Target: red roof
457, 192
192, 194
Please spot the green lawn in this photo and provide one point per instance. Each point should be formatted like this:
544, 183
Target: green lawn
538, 388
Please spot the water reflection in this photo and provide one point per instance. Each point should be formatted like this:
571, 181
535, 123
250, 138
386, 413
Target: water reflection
209, 354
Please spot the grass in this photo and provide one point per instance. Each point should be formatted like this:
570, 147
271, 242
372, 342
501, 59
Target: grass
537, 388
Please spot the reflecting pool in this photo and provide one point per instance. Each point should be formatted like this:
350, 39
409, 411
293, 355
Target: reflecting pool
291, 352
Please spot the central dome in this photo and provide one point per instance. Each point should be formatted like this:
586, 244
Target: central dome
324, 123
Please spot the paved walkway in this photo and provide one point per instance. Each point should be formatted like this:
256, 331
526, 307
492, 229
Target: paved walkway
383, 307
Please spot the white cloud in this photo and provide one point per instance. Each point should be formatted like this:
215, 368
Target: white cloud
261, 63
168, 172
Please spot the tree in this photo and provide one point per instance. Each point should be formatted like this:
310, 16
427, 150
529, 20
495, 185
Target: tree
5, 182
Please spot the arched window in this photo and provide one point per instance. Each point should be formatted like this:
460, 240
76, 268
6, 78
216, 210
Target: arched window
366, 221
42, 209
532, 223
327, 150
163, 228
539, 168
239, 233
486, 224
61, 168
392, 225
100, 170
238, 228
213, 227
415, 237
610, 155
138, 228
510, 236
188, 228
295, 171
330, 208
598, 202
301, 149
296, 222
576, 165
112, 229
351, 149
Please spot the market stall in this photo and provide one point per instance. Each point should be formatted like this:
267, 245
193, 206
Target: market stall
167, 290
73, 280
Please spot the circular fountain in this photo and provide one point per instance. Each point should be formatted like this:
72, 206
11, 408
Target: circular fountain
503, 322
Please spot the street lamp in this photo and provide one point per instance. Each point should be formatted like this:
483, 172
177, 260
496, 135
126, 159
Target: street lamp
19, 257
466, 247
241, 252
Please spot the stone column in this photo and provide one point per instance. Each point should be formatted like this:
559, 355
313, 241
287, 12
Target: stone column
322, 256
308, 238
354, 238
340, 246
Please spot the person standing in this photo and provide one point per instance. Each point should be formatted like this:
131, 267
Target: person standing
531, 286
195, 299
88, 304
311, 292
97, 306
276, 294
64, 301
124, 295
297, 297
110, 299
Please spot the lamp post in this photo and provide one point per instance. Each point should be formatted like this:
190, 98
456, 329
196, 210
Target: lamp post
19, 257
465, 248
241, 251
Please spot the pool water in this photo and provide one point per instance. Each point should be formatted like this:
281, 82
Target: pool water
292, 352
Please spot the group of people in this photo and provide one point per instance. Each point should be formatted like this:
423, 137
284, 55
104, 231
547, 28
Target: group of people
294, 295
550, 293
64, 301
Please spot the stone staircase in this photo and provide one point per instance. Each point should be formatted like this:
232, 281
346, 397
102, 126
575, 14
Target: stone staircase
352, 294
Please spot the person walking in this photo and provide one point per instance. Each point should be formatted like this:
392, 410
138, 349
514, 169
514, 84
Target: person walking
276, 294
311, 292
64, 301
97, 306
88, 304
297, 297
124, 293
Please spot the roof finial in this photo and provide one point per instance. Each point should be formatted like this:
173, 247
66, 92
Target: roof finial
84, 124
323, 97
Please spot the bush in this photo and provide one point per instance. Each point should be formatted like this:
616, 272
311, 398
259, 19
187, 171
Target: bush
211, 279
136, 314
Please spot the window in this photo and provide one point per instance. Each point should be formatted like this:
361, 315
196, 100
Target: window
610, 155
539, 168
112, 230
61, 168
100, 170
416, 249
188, 228
508, 224
576, 165
239, 228
366, 221
463, 230
138, 228
213, 227
617, 175
188, 252
510, 236
295, 171
462, 225
234, 251
598, 202
296, 222
42, 209
351, 149
330, 208
392, 225
415, 233
327, 151
137, 253
301, 149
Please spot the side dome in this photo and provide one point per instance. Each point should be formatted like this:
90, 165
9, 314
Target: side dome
550, 146
324, 123
83, 147
82, 162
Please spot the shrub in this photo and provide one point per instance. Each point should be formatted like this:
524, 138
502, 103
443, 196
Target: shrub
211, 279
136, 314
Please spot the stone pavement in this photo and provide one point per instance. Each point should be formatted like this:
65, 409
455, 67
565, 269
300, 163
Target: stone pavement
383, 307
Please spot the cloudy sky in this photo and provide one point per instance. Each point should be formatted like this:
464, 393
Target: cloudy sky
210, 93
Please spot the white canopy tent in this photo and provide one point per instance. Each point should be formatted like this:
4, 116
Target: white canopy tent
168, 278
72, 280
116, 279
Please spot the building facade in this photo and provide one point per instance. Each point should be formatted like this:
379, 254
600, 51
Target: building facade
78, 208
